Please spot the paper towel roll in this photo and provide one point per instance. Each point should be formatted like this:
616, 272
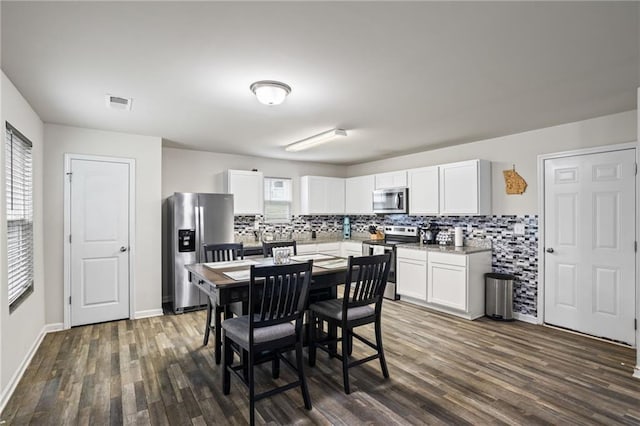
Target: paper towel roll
459, 240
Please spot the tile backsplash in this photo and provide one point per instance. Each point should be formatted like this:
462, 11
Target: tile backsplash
512, 254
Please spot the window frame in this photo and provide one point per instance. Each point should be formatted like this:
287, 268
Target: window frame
267, 201
20, 221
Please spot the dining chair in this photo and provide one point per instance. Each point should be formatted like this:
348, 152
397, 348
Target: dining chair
361, 304
268, 246
220, 252
277, 299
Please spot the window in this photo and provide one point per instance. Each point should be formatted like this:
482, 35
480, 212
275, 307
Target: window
277, 200
19, 203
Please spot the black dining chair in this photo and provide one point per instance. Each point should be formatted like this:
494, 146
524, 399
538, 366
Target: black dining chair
268, 246
361, 304
277, 298
219, 253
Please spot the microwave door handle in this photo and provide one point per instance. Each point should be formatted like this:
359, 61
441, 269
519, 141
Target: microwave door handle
399, 199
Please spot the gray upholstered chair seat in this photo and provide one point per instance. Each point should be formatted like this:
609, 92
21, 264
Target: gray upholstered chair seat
333, 309
238, 330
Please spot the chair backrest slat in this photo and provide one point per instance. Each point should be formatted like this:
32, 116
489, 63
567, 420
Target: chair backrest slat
366, 280
278, 294
268, 246
223, 252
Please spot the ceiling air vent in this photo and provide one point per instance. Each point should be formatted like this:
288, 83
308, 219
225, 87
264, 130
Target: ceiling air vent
117, 102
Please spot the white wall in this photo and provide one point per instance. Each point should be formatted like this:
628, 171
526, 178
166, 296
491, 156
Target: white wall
147, 152
20, 330
520, 149
637, 369
198, 171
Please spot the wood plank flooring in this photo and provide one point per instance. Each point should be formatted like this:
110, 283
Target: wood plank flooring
443, 370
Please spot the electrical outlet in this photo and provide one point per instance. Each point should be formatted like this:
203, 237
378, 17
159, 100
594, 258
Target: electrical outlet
469, 229
518, 229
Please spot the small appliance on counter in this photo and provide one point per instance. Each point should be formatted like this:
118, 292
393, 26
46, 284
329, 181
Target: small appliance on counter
429, 234
375, 234
346, 228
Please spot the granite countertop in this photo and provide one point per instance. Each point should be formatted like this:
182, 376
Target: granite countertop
303, 239
444, 249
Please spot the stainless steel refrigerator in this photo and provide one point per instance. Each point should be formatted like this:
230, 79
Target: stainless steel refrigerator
195, 219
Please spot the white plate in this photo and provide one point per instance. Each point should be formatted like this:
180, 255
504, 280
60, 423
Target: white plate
230, 264
315, 256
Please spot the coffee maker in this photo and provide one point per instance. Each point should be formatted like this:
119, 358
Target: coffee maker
428, 234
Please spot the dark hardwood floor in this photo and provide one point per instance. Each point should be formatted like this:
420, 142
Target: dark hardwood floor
443, 370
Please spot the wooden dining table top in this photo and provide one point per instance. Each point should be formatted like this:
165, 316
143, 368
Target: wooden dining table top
216, 276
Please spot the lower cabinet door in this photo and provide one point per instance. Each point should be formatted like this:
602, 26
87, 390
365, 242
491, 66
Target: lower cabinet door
448, 285
411, 279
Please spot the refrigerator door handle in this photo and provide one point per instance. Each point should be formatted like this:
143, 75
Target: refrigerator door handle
196, 214
201, 234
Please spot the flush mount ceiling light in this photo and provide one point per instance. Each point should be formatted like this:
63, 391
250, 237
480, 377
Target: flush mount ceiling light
270, 92
315, 140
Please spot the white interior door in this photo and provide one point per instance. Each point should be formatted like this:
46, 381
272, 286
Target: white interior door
589, 244
99, 248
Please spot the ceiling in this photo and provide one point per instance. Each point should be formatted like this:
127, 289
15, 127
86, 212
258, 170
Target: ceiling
399, 77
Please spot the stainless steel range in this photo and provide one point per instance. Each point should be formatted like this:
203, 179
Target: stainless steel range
393, 235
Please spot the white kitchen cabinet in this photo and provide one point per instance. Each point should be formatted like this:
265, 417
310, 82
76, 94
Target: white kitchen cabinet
424, 190
391, 180
358, 194
248, 191
321, 195
343, 249
306, 248
455, 282
465, 188
411, 273
332, 249
351, 248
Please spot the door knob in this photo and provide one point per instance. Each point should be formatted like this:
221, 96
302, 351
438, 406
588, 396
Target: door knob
550, 250
123, 249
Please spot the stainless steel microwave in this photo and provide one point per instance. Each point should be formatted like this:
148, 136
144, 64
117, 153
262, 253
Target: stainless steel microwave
391, 200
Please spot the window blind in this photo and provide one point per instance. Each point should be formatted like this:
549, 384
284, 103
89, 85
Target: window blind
19, 207
277, 200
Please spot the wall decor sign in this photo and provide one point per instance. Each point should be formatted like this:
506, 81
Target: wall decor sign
515, 184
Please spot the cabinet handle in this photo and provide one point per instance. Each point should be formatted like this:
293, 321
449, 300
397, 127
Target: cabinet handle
550, 250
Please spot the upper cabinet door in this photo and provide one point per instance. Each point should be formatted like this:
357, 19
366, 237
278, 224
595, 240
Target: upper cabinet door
358, 195
424, 190
391, 180
247, 188
334, 195
465, 188
321, 195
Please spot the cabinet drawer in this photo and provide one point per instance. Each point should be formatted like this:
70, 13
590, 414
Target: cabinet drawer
307, 248
405, 253
325, 247
448, 258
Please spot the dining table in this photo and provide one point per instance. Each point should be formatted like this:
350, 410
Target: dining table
228, 282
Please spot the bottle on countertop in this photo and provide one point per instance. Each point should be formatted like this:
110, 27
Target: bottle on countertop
346, 228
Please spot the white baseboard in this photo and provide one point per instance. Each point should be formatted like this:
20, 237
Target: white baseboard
525, 318
15, 379
149, 313
51, 328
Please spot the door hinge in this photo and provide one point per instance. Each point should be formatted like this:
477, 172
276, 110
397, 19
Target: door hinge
69, 174
635, 324
69, 299
69, 238
636, 168
635, 246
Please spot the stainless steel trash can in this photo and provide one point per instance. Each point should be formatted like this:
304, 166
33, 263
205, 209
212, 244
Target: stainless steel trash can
499, 296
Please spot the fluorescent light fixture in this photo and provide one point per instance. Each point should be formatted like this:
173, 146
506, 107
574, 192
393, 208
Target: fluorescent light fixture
270, 92
315, 140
